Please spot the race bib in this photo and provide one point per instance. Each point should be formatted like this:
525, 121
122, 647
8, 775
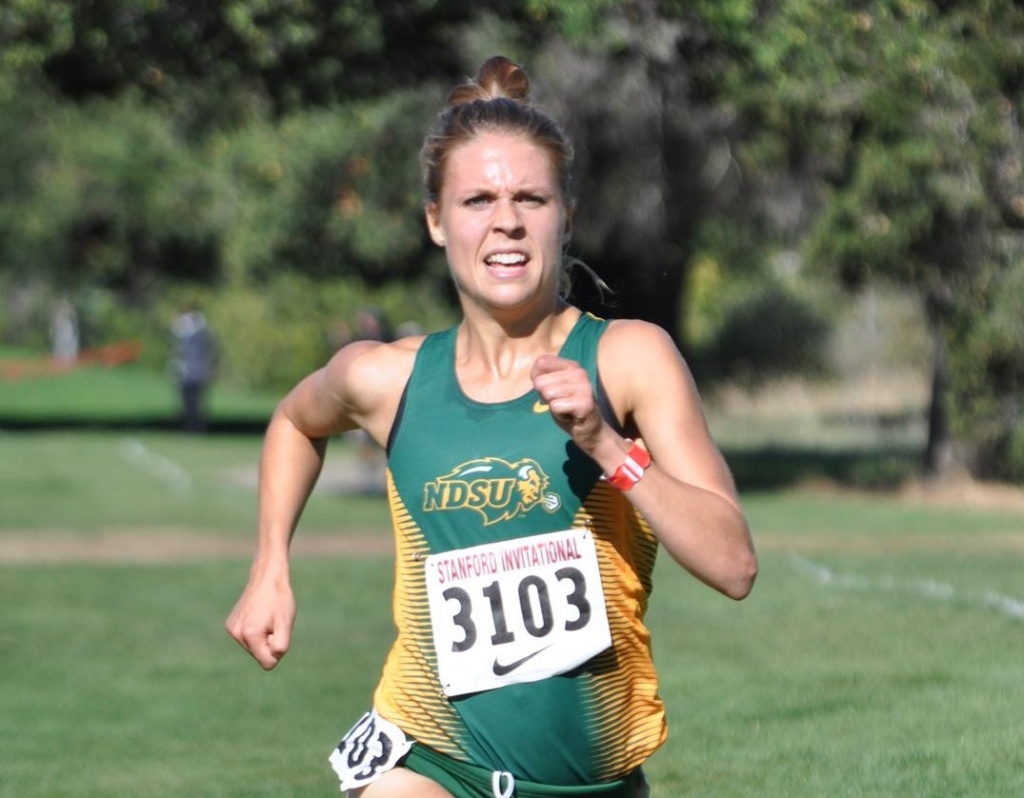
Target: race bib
371, 747
516, 611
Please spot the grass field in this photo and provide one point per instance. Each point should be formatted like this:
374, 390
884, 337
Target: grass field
879, 654
125, 395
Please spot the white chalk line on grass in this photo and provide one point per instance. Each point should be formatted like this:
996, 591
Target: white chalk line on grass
136, 453
923, 588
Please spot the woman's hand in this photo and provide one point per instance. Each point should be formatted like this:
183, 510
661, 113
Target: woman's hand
263, 618
565, 386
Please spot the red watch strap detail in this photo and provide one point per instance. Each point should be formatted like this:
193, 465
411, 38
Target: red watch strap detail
631, 471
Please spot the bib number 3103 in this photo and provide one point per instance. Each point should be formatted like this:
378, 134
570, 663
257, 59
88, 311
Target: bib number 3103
516, 611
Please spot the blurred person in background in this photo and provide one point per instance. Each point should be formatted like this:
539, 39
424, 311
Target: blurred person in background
64, 334
538, 457
194, 365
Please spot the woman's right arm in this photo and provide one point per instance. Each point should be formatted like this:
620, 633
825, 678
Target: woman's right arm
359, 387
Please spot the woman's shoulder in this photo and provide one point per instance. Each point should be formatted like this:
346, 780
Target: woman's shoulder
397, 355
639, 353
367, 373
634, 339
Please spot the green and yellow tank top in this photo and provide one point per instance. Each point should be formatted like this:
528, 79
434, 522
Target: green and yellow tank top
462, 473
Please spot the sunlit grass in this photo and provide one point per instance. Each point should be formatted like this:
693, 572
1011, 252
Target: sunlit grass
867, 673
88, 481
123, 393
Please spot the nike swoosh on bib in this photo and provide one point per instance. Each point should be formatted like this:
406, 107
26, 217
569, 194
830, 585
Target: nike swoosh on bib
503, 670
540, 407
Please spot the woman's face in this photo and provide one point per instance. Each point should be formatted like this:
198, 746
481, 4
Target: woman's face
503, 221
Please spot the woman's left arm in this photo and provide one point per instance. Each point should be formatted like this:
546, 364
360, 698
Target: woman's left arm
687, 494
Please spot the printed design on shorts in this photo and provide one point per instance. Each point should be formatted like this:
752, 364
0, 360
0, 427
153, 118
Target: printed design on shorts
371, 747
495, 488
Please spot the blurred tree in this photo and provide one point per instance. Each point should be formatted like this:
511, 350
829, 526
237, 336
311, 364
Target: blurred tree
134, 182
223, 63
772, 332
327, 193
642, 85
23, 137
986, 375
116, 200
228, 91
888, 134
635, 83
879, 139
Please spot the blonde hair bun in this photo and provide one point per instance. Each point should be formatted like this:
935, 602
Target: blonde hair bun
498, 77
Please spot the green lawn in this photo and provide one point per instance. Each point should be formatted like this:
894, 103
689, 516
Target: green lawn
90, 482
118, 681
122, 394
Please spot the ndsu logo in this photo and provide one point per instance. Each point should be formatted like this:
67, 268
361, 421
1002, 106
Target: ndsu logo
495, 488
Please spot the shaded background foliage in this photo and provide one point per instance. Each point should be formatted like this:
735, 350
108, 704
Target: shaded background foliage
735, 159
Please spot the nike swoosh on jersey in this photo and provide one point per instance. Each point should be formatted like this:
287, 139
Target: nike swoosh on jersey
504, 670
540, 407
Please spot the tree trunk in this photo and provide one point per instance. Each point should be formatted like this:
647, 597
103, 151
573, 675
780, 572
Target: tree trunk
643, 288
940, 459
